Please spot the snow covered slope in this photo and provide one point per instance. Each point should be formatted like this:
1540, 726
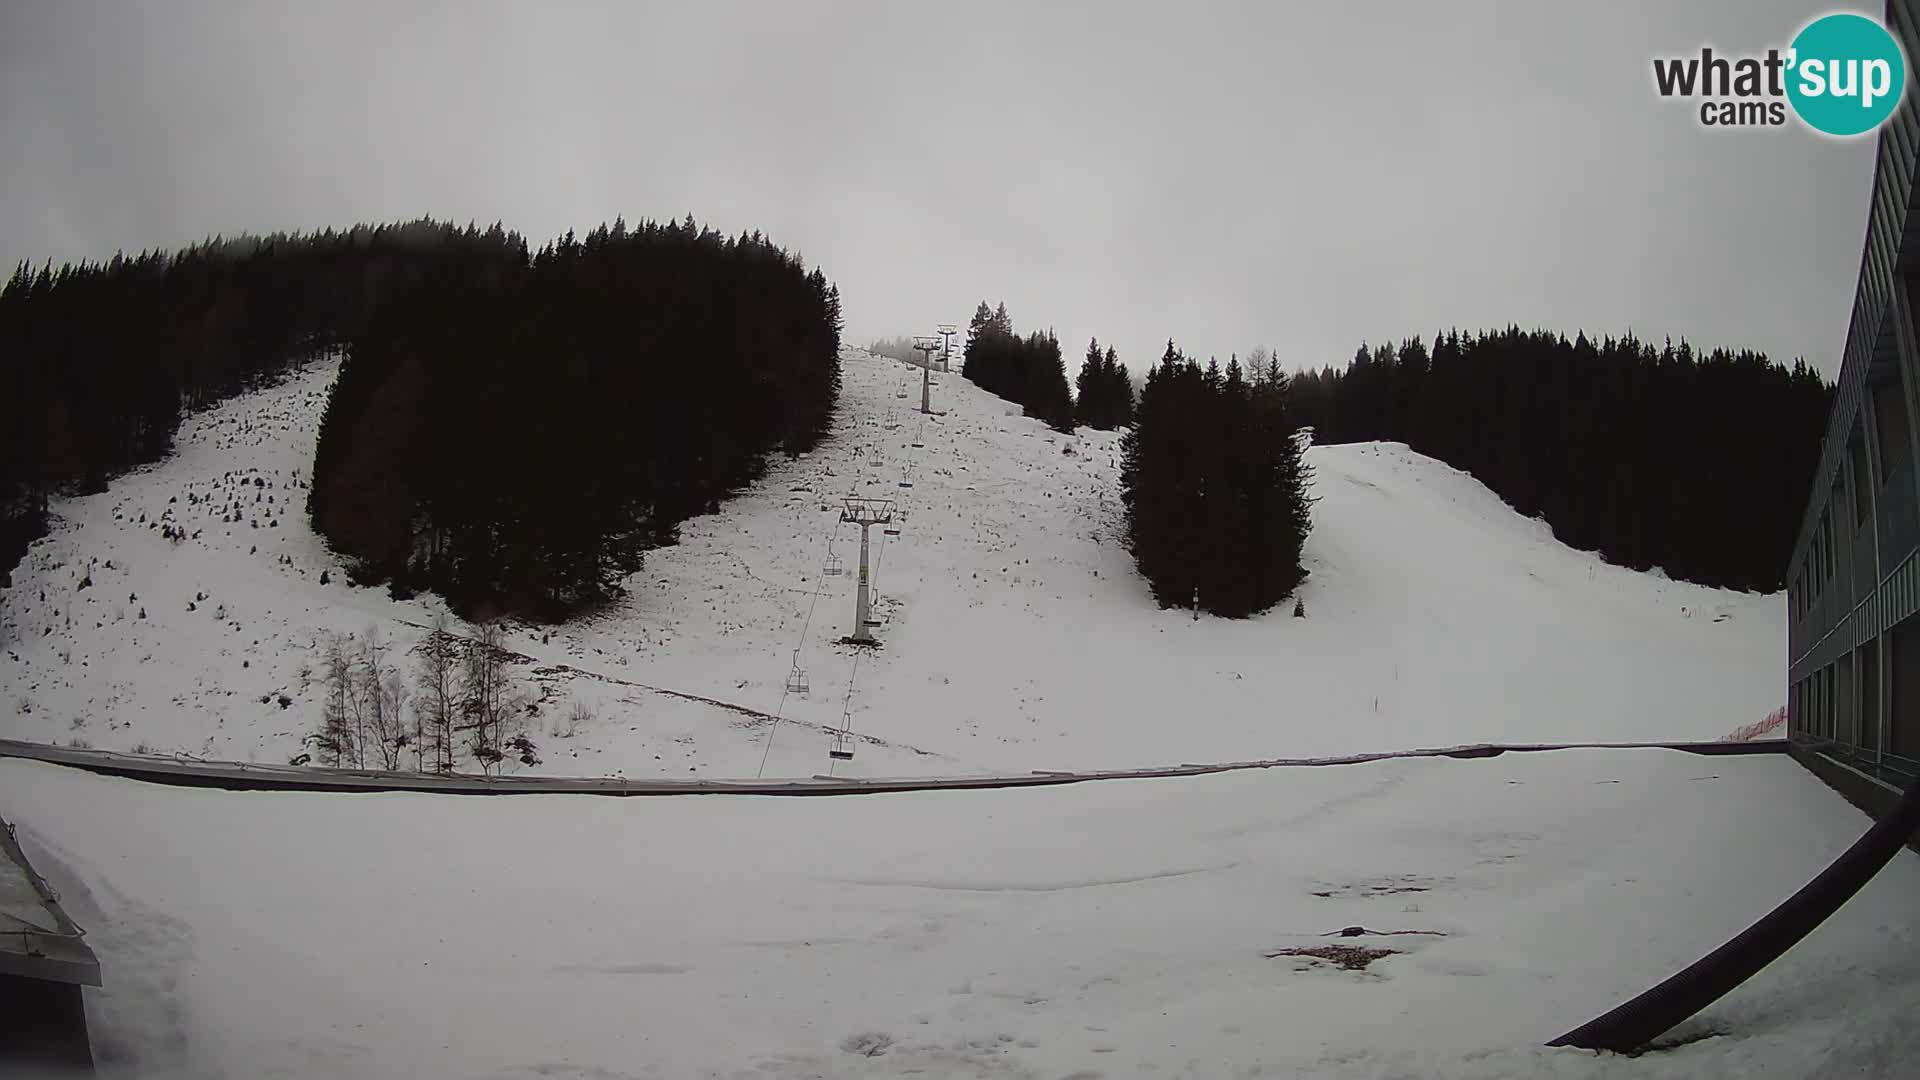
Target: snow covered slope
1131, 928
1017, 635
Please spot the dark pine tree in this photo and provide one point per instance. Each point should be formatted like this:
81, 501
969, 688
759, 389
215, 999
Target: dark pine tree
1090, 389
1214, 488
1118, 392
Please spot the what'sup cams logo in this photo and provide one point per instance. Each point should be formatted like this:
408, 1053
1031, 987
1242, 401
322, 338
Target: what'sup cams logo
1842, 75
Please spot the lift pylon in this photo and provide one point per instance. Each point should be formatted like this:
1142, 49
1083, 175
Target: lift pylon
865, 513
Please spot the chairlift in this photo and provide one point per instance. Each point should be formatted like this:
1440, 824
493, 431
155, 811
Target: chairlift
892, 532
842, 748
833, 568
919, 446
797, 681
906, 483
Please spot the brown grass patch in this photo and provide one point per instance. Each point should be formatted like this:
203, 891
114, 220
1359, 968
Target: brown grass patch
1346, 957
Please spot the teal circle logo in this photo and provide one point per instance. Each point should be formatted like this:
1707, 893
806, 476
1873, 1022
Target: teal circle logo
1846, 74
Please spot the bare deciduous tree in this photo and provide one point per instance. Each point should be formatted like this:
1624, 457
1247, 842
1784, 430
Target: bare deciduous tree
336, 740
486, 695
436, 677
383, 701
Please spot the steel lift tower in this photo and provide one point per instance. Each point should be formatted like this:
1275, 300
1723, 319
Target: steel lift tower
865, 513
947, 330
925, 346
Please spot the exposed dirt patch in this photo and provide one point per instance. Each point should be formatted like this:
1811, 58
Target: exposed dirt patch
1345, 957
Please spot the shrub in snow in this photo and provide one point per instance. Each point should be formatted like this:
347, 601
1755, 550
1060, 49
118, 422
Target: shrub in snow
324, 577
1299, 609
523, 746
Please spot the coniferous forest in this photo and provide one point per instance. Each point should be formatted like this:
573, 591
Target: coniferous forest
1694, 462
98, 360
1028, 372
1103, 395
516, 441
1217, 510
515, 429
510, 430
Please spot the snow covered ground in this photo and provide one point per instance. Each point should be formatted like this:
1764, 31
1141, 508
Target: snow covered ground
1124, 928
1110, 929
1017, 635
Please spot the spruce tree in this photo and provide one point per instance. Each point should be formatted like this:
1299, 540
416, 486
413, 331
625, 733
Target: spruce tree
1119, 391
1090, 408
1214, 488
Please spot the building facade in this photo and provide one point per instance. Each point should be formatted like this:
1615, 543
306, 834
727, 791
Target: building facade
1853, 585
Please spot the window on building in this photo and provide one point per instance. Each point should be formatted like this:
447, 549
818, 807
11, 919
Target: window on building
1826, 544
1861, 475
1890, 418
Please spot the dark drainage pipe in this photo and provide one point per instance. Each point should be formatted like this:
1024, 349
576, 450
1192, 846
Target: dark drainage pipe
1645, 1018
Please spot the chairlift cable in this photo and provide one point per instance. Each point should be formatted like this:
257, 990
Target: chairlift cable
830, 530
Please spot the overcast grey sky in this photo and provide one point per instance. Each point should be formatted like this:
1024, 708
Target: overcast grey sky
1290, 174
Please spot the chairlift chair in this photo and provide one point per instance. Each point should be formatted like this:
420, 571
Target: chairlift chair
892, 532
833, 568
842, 748
797, 681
